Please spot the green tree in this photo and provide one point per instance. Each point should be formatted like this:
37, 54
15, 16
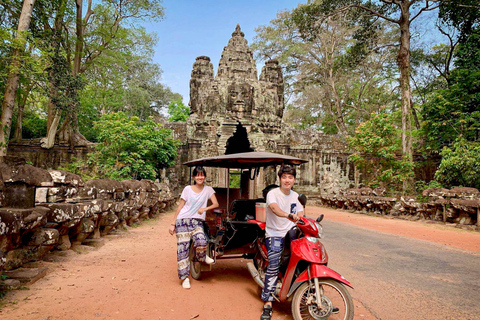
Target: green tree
336, 76
400, 14
11, 84
455, 111
464, 15
125, 80
460, 165
81, 38
376, 146
130, 149
178, 111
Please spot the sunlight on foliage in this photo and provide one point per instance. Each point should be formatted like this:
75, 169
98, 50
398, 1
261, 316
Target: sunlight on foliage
376, 144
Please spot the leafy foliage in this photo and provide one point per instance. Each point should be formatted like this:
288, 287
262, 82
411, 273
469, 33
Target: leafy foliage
376, 145
129, 149
421, 185
460, 165
336, 68
455, 111
462, 14
178, 111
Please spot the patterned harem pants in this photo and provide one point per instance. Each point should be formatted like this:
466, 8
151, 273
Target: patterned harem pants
186, 230
275, 249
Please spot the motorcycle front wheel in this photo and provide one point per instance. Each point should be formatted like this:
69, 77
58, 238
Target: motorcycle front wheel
336, 302
195, 266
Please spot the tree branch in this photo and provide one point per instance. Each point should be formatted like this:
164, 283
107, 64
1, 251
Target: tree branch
426, 8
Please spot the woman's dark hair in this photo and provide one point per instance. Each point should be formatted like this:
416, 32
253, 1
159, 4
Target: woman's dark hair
287, 169
197, 170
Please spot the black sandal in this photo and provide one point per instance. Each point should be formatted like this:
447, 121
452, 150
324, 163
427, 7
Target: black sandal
267, 313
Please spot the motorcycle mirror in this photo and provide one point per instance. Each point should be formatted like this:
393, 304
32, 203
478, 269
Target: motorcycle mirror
303, 199
320, 218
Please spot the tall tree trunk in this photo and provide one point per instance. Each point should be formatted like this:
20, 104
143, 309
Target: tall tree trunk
403, 61
337, 110
70, 131
49, 141
53, 114
12, 81
17, 136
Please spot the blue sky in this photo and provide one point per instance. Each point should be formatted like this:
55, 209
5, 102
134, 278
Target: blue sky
203, 28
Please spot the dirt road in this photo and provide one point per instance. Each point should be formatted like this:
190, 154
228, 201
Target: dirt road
133, 276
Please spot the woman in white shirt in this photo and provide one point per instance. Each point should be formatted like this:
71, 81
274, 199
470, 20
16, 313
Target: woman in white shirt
188, 225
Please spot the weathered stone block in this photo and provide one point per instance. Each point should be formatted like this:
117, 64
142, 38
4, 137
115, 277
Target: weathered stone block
18, 257
83, 230
109, 219
66, 178
63, 243
44, 237
144, 211
38, 217
16, 172
19, 195
97, 206
87, 193
10, 284
132, 186
118, 206
12, 219
41, 194
62, 193
132, 217
26, 275
62, 212
119, 195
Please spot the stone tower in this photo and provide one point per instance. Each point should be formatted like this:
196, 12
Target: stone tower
234, 111
237, 111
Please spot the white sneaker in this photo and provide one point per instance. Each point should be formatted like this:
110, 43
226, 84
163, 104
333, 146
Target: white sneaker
209, 260
186, 283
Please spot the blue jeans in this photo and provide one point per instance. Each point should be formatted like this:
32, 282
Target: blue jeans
275, 249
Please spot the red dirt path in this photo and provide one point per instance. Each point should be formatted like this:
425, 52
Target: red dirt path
133, 276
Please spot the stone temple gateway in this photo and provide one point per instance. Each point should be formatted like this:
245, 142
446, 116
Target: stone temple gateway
237, 111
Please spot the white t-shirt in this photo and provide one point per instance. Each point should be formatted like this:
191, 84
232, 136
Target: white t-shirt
194, 201
278, 226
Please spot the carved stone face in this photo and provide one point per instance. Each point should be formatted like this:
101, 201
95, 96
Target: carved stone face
240, 98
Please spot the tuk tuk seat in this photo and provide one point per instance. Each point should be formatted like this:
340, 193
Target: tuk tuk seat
244, 209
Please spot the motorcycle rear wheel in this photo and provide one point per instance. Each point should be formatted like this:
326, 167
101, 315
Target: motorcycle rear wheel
334, 295
195, 265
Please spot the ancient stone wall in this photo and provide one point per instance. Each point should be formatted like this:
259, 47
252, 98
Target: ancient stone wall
53, 158
459, 205
44, 210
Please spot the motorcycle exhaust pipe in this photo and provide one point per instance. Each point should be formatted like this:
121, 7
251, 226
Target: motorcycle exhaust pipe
254, 273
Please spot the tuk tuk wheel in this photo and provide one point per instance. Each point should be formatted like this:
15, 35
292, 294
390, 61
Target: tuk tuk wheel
195, 266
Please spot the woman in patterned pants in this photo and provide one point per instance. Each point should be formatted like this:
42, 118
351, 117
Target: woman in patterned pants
188, 226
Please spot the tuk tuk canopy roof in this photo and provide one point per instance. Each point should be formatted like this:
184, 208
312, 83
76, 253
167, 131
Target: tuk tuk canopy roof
246, 160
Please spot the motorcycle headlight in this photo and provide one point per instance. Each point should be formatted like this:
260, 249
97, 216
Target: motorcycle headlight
320, 230
312, 239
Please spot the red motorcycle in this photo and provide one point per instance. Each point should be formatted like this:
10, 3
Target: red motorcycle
318, 292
